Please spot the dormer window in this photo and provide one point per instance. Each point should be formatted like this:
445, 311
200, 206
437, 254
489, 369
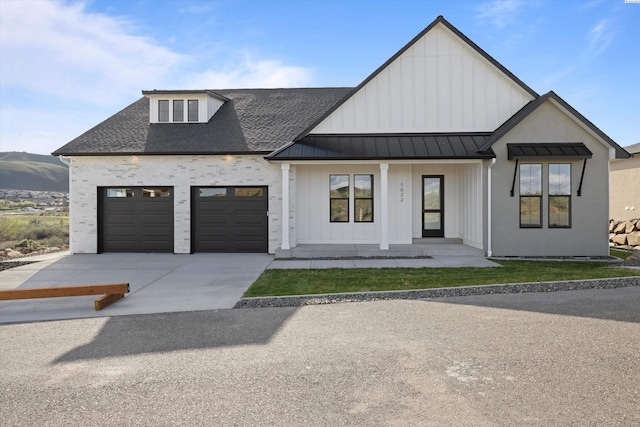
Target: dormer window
180, 106
193, 110
178, 110
163, 110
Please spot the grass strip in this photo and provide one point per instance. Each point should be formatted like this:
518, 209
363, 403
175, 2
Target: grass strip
337, 280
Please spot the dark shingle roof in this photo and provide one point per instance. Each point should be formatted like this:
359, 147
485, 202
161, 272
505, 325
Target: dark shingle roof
393, 146
253, 120
633, 148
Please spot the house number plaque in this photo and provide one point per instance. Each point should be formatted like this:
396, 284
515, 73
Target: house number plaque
401, 192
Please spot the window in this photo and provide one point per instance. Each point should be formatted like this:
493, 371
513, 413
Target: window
119, 192
178, 110
212, 192
530, 195
248, 192
339, 198
363, 198
560, 195
193, 110
163, 110
156, 192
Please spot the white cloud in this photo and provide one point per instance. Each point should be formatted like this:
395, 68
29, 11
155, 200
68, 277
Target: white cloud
600, 37
251, 73
499, 12
64, 69
60, 49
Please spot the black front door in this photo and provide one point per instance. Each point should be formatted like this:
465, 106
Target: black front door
433, 206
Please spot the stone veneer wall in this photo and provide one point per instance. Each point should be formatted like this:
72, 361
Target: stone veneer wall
625, 233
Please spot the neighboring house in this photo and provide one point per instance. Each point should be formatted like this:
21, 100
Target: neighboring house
624, 186
440, 141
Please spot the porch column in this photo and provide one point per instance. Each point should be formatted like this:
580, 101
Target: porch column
285, 206
384, 207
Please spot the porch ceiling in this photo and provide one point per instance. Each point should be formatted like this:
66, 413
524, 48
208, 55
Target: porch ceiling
387, 147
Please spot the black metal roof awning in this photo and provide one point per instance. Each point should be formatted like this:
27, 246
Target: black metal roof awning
576, 150
388, 146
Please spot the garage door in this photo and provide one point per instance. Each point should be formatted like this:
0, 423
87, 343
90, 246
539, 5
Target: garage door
136, 219
229, 219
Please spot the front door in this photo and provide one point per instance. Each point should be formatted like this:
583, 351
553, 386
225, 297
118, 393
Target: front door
433, 206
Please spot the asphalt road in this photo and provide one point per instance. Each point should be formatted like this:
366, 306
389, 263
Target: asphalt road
561, 358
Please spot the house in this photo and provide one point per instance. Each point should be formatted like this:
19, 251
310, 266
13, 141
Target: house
441, 141
624, 176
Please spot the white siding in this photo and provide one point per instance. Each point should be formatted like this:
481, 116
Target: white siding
180, 172
440, 84
462, 200
312, 206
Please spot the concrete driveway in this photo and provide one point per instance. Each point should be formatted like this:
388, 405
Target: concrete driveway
159, 283
549, 359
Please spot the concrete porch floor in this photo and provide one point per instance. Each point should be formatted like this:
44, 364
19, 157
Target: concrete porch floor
419, 248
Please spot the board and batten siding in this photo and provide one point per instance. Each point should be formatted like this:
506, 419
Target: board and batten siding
463, 203
463, 200
439, 84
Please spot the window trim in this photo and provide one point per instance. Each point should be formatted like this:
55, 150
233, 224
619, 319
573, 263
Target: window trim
162, 102
348, 198
567, 196
190, 118
355, 198
178, 117
530, 196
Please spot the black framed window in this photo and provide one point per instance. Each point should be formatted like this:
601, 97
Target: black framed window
192, 105
163, 110
339, 198
531, 195
363, 198
559, 195
178, 110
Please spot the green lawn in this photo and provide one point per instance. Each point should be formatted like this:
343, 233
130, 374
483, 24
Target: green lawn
324, 281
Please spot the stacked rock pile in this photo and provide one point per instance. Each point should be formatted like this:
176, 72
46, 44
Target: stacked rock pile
625, 234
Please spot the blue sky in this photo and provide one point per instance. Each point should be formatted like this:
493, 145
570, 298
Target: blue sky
65, 66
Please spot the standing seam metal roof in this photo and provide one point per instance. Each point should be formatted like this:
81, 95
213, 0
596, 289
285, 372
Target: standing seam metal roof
388, 146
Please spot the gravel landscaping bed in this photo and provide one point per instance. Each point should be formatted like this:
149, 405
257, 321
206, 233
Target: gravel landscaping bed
571, 285
5, 265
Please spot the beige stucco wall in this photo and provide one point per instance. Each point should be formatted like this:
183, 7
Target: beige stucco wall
624, 189
588, 235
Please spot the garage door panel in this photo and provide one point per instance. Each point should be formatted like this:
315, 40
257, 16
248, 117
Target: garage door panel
136, 223
235, 222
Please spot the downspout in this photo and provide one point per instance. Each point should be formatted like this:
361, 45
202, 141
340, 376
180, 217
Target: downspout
489, 249
67, 161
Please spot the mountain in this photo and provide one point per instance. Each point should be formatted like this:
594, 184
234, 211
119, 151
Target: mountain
26, 171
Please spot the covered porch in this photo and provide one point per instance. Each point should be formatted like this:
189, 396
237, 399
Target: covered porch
381, 195
420, 248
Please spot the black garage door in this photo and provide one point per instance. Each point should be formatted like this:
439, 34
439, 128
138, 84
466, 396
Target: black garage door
136, 219
229, 219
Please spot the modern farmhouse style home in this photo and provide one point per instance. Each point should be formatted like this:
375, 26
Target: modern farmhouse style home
441, 141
